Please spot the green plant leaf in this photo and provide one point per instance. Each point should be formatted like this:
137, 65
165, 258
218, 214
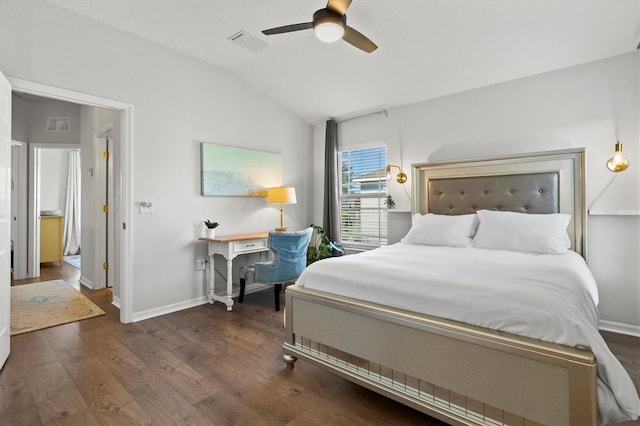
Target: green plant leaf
321, 246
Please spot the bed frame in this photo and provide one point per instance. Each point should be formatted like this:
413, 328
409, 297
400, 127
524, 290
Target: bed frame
459, 373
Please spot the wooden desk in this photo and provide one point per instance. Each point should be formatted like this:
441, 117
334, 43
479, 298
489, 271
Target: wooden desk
230, 247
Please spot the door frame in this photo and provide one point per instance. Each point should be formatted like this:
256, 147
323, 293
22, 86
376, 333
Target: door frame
35, 163
124, 214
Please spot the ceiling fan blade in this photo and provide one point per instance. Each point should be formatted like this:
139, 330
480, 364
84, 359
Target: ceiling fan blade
359, 40
339, 6
288, 28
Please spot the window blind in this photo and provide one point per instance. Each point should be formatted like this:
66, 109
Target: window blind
363, 190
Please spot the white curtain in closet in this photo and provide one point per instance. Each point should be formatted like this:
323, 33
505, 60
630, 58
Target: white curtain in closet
72, 207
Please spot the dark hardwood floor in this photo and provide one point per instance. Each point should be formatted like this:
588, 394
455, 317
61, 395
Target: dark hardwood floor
198, 366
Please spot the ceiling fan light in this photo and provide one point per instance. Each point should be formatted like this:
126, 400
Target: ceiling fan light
329, 31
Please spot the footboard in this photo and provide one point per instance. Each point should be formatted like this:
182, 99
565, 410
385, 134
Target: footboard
452, 371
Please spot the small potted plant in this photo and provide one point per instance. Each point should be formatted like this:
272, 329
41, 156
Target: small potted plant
389, 202
211, 228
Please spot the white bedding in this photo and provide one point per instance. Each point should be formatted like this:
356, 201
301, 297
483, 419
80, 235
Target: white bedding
548, 297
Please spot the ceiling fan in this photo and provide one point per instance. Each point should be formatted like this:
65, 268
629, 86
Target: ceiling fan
329, 25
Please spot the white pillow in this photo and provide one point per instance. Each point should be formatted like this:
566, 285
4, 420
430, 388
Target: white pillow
532, 233
441, 230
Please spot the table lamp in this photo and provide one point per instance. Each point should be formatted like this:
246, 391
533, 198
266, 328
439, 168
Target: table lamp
281, 195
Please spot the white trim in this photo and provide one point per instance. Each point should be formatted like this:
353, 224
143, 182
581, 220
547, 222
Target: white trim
21, 240
85, 282
605, 212
354, 249
621, 328
380, 109
115, 301
59, 93
34, 196
360, 146
124, 214
65, 146
126, 208
167, 309
33, 213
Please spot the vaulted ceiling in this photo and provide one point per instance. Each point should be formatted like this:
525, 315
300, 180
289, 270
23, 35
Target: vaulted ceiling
427, 48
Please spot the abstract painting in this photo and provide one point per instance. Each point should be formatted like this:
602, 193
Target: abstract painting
233, 171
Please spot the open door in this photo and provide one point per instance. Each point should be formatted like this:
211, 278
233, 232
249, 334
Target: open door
5, 218
105, 249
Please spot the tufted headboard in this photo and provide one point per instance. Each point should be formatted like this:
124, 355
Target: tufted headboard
549, 182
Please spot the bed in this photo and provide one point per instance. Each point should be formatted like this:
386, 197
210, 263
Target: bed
466, 364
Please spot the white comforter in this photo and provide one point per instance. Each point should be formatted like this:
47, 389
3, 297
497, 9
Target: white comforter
548, 297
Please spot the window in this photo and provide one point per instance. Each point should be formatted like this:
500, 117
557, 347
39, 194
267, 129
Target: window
363, 191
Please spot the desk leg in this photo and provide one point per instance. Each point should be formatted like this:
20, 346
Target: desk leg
212, 279
229, 297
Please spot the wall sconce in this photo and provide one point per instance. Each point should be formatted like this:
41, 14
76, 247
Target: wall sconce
400, 177
281, 195
617, 163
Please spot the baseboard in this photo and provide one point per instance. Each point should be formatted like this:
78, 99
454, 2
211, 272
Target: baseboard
167, 309
115, 301
85, 282
621, 328
615, 327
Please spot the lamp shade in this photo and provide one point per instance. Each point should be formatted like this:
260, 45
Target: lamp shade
281, 195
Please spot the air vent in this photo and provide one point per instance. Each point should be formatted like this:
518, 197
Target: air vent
248, 41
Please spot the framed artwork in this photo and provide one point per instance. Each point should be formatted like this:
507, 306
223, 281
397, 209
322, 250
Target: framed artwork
232, 171
58, 124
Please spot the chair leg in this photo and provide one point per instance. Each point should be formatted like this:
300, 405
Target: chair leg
241, 296
276, 290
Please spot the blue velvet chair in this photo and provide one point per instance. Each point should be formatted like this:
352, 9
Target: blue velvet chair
289, 260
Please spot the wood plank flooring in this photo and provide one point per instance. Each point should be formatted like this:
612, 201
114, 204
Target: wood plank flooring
198, 366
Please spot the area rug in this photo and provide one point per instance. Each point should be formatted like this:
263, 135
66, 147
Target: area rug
47, 304
73, 260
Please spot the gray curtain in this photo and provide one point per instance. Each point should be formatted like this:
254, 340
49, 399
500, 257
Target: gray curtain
331, 213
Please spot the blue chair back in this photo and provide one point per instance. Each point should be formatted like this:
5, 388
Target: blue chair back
290, 257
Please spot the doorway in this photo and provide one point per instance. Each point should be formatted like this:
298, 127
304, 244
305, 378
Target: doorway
121, 172
47, 175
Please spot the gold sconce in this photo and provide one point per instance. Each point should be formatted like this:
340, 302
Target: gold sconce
617, 163
400, 177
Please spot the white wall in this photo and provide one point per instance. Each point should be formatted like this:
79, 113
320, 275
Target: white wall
588, 106
40, 110
19, 119
29, 124
54, 168
29, 120
178, 102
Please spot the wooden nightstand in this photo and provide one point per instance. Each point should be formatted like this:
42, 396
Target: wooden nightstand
51, 249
